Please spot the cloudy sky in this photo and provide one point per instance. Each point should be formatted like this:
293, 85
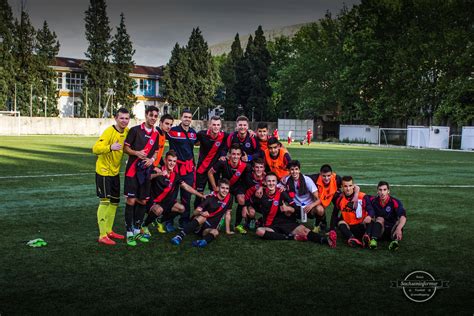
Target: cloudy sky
155, 26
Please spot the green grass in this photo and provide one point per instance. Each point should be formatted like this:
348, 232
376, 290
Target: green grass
236, 274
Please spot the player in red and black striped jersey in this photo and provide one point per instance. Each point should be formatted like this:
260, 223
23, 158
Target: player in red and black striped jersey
182, 139
254, 184
164, 191
248, 142
279, 220
390, 217
234, 170
140, 145
208, 215
212, 146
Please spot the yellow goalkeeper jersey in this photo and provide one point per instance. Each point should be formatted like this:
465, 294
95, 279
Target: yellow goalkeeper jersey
109, 161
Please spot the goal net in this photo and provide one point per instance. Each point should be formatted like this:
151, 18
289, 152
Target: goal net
393, 136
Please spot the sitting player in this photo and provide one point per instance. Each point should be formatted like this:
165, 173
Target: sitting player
277, 158
164, 189
279, 220
303, 190
208, 215
352, 218
234, 170
329, 185
390, 217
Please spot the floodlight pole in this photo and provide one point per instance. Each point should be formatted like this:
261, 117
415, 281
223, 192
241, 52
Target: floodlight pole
31, 100
46, 101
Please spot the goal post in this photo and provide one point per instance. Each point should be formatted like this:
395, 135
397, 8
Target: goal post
393, 136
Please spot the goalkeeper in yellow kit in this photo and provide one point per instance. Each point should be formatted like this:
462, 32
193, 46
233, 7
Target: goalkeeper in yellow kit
109, 151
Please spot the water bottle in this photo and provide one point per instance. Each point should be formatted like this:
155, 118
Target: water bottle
303, 215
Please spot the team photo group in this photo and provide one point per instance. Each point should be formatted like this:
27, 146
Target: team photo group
274, 197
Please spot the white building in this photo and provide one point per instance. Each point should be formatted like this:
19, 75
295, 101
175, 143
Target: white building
70, 80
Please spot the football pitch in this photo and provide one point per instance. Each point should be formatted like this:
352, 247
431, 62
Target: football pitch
48, 191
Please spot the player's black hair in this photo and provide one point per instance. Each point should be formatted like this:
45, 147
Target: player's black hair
166, 117
223, 181
151, 108
273, 140
171, 153
235, 146
325, 168
347, 178
293, 163
215, 118
262, 125
381, 183
186, 111
121, 110
258, 161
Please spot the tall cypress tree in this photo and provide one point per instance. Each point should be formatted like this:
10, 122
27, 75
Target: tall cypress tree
204, 83
243, 75
97, 67
7, 67
260, 90
47, 48
178, 77
25, 62
228, 76
122, 52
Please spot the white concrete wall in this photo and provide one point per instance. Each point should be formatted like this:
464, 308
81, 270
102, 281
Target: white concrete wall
439, 137
359, 133
299, 128
418, 136
467, 140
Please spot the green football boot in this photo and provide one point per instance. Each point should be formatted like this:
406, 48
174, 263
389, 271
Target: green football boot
394, 245
373, 244
131, 241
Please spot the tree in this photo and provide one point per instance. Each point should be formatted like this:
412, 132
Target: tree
178, 77
7, 67
228, 76
243, 76
260, 90
204, 83
47, 48
25, 62
122, 52
97, 67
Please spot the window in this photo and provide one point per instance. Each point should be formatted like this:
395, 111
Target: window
147, 87
59, 81
74, 81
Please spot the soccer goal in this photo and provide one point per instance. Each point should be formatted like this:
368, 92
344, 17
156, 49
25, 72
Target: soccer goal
393, 136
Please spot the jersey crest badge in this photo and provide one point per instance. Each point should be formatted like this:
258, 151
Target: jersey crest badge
247, 145
217, 144
388, 209
275, 203
238, 174
151, 142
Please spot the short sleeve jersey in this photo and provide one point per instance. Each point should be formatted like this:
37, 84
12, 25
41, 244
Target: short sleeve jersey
165, 187
391, 211
138, 138
215, 206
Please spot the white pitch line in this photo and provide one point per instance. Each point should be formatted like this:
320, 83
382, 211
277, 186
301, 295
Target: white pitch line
424, 185
47, 175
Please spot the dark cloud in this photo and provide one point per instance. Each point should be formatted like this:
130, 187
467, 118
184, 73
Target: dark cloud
155, 26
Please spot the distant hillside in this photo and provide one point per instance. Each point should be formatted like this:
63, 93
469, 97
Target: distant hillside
224, 47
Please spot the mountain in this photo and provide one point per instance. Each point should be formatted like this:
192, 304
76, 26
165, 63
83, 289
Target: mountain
224, 47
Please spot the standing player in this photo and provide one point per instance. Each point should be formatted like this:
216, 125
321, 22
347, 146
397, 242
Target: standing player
279, 222
390, 217
262, 135
208, 215
164, 190
109, 151
277, 158
234, 170
275, 134
289, 137
249, 143
309, 136
140, 145
164, 127
352, 218
303, 190
182, 139
212, 146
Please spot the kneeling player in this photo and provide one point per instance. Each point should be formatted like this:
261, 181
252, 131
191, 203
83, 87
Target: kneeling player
351, 218
164, 188
390, 217
279, 219
208, 216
